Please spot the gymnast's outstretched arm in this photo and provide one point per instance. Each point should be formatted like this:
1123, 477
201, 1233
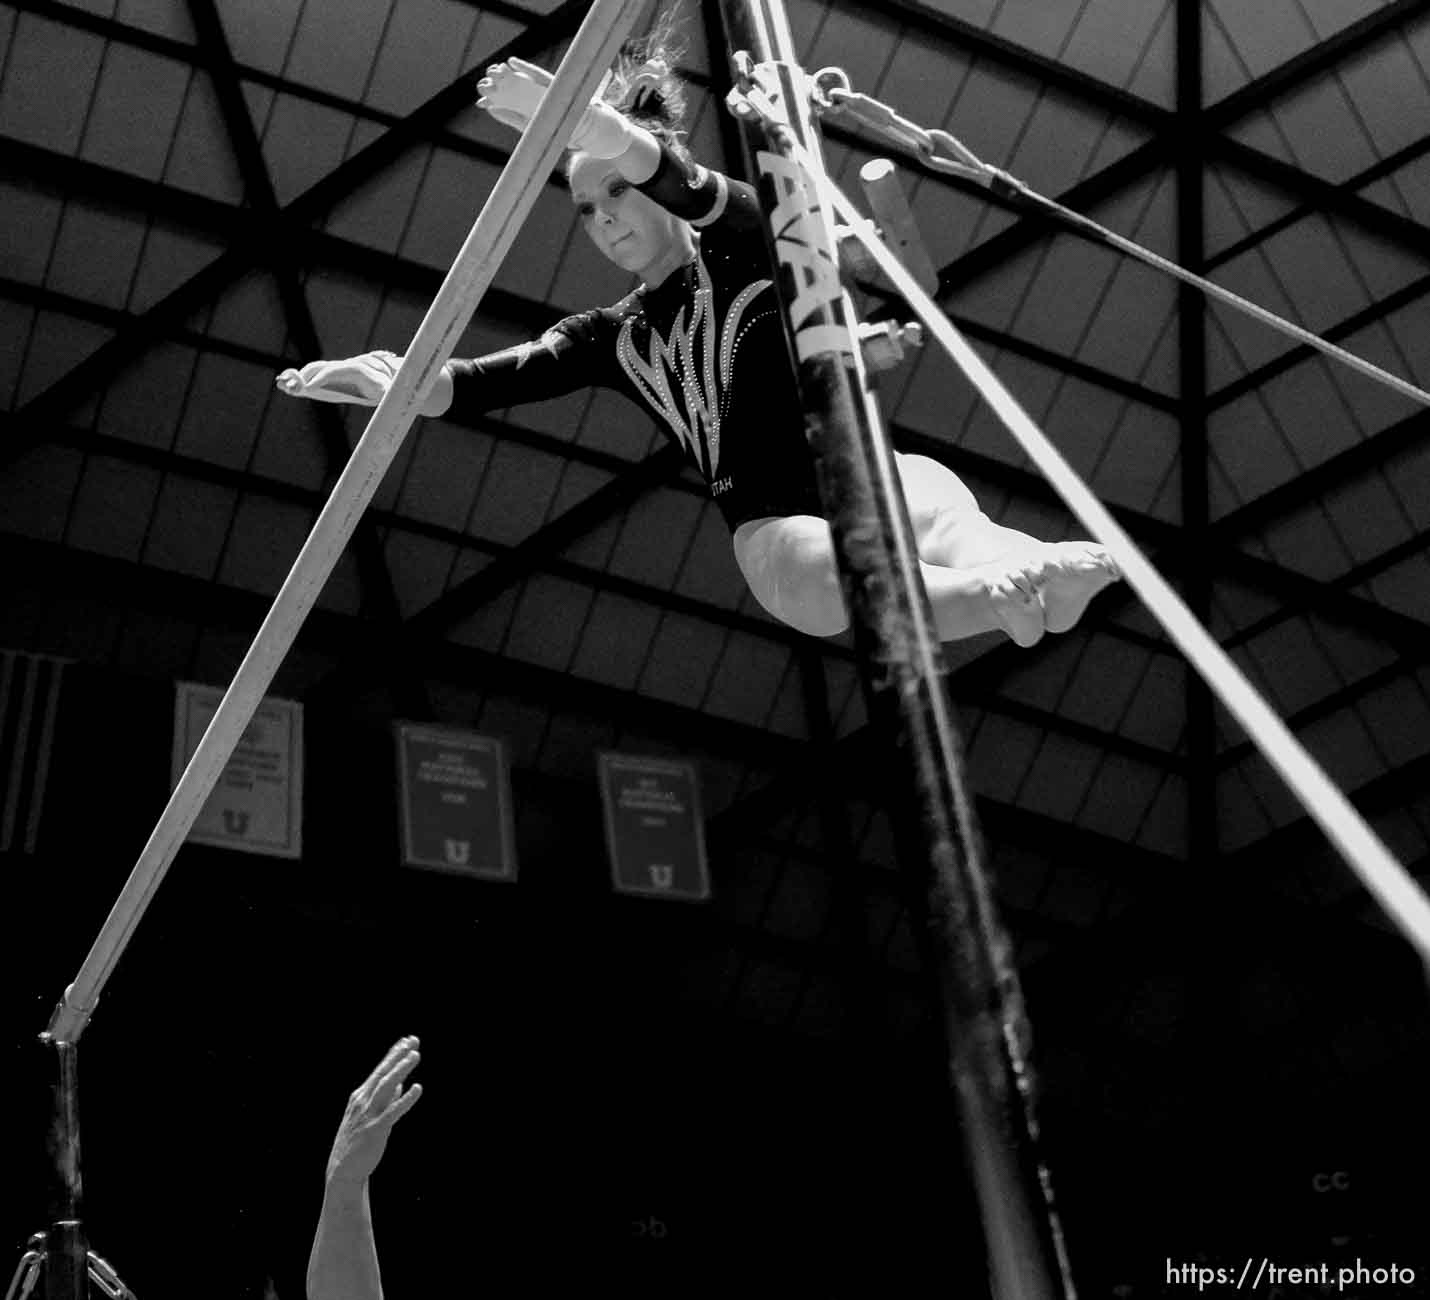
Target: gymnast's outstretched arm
567, 357
511, 92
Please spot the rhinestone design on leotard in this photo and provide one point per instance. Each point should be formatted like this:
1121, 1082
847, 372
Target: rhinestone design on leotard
688, 356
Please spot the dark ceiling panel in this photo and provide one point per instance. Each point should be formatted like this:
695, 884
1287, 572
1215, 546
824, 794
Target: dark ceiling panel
49, 83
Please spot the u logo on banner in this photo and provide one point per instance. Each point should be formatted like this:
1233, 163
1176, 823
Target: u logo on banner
458, 852
235, 821
662, 876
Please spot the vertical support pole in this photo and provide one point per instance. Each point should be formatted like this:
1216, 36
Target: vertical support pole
847, 886
66, 1274
1214, 993
1202, 842
983, 1027
1196, 490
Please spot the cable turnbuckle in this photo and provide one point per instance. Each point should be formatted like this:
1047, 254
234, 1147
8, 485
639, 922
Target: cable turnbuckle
833, 95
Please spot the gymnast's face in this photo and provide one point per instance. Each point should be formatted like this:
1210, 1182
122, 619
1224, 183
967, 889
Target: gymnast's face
633, 231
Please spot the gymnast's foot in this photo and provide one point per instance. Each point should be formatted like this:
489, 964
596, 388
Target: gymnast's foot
1067, 575
1009, 591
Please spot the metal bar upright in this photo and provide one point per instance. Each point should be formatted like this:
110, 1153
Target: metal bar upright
984, 1032
66, 1269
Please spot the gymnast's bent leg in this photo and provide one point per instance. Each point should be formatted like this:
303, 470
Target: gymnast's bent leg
980, 576
953, 533
788, 562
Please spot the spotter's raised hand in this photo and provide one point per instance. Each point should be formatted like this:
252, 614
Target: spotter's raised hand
374, 1107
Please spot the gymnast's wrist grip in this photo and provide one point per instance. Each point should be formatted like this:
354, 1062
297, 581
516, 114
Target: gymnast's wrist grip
603, 132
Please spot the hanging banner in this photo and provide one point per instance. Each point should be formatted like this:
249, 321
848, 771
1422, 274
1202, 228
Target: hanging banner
655, 833
257, 805
456, 802
29, 705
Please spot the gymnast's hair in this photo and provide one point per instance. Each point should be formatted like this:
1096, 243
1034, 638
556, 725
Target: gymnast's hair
644, 86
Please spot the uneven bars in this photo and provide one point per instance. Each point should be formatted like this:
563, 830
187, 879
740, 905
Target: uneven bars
595, 46
1364, 852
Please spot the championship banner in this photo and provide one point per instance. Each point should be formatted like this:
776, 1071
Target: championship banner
29, 704
456, 802
655, 833
257, 805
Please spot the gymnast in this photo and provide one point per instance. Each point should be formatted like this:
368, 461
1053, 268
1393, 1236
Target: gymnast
699, 344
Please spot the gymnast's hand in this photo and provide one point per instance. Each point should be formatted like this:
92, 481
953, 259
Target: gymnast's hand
361, 380
372, 1111
512, 92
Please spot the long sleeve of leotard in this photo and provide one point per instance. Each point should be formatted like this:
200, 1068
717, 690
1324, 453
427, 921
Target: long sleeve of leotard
567, 357
701, 196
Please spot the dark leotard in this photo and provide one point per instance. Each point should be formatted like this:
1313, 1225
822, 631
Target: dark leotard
704, 351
